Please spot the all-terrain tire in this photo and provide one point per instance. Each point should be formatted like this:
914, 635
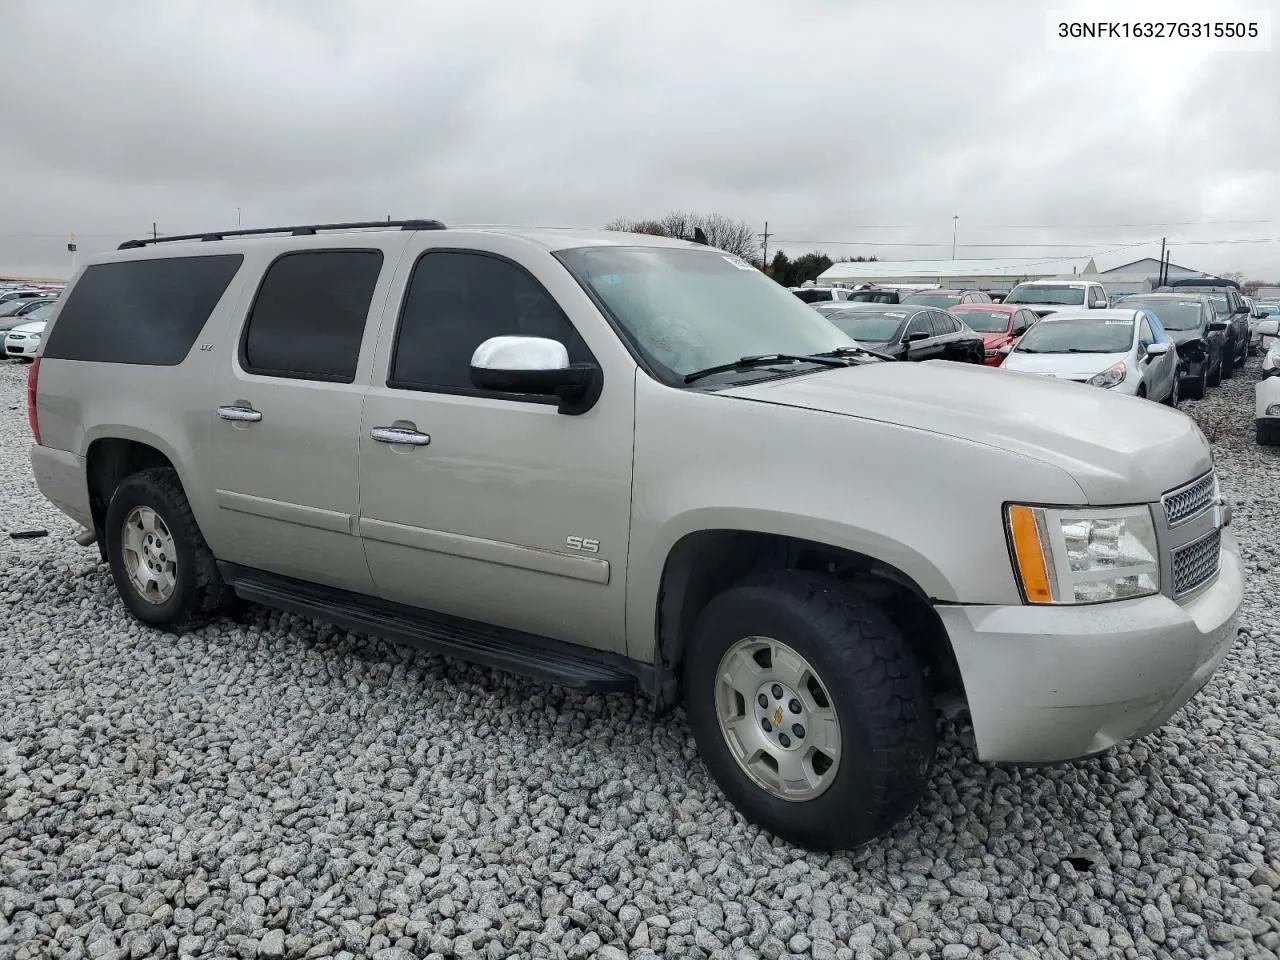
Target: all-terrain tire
198, 590
873, 681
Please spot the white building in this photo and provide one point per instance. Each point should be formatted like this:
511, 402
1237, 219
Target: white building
1150, 267
998, 275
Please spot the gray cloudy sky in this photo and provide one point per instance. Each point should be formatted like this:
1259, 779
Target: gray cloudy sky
830, 119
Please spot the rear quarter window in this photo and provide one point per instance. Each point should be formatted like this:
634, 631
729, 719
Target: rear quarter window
146, 312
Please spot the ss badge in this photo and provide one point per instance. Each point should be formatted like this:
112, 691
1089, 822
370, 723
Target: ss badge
582, 543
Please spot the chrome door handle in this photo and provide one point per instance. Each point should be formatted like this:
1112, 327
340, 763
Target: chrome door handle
401, 435
240, 414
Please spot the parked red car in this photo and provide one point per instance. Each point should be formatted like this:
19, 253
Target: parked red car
998, 323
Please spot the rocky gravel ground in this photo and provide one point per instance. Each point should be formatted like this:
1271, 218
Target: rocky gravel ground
270, 787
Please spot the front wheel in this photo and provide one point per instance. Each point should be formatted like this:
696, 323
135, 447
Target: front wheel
1228, 366
163, 569
809, 710
1172, 399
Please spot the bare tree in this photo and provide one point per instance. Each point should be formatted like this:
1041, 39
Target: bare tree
732, 236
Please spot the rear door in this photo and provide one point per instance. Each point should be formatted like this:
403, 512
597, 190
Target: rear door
285, 434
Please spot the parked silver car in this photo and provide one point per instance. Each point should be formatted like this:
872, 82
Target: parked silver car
1125, 351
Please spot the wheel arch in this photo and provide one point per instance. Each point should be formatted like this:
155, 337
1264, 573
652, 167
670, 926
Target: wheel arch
702, 563
110, 457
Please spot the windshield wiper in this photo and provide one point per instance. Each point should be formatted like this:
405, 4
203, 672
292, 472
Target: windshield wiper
854, 351
763, 360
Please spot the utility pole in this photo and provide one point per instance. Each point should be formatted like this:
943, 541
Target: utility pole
955, 223
155, 234
71, 248
237, 218
765, 237
1161, 277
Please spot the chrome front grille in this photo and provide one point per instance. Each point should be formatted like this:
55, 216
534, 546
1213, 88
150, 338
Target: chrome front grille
1182, 504
1196, 563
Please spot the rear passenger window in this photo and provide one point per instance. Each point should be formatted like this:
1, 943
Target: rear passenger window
942, 324
456, 301
308, 318
146, 312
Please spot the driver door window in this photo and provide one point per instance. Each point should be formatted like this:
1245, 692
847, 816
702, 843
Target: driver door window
456, 300
919, 324
1146, 334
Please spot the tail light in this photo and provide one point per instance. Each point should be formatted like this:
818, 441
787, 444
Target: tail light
33, 381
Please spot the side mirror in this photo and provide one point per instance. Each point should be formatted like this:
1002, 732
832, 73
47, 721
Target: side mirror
1217, 326
1018, 331
1157, 349
1269, 328
913, 337
537, 366
1240, 309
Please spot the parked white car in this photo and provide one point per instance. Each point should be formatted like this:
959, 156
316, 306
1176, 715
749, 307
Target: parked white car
1050, 296
1266, 414
1125, 351
1262, 312
23, 341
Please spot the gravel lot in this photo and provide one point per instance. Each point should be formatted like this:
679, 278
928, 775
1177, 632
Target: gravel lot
270, 787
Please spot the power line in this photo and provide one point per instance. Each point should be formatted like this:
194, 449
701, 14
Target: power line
1007, 246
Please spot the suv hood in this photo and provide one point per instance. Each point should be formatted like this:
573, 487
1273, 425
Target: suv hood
1119, 449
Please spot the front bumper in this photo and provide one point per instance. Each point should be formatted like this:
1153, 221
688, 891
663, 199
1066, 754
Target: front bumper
1048, 684
20, 348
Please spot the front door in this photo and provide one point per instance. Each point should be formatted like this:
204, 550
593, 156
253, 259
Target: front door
285, 428
495, 507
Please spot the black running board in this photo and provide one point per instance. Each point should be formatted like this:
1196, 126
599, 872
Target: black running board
536, 657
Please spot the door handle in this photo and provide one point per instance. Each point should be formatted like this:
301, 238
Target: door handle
401, 435
239, 414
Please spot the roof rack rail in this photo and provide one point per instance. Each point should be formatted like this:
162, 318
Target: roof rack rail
304, 230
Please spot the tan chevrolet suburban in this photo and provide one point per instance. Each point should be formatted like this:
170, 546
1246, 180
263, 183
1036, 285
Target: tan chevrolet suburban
619, 462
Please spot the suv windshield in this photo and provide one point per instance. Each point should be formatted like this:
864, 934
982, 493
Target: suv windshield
813, 294
984, 321
1173, 314
1043, 293
688, 309
1077, 336
943, 300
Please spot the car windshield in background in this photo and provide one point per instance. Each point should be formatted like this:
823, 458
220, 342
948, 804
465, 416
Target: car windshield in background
1036, 293
812, 296
1172, 314
9, 307
689, 309
873, 296
868, 326
942, 300
1077, 336
984, 321
40, 313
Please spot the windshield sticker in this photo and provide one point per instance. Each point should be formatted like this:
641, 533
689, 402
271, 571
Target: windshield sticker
1187, 303
737, 262
998, 316
1117, 323
890, 313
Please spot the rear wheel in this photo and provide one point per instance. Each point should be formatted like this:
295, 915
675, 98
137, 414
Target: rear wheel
1172, 399
163, 569
809, 710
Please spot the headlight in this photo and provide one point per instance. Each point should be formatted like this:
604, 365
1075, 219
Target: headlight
1084, 555
1109, 377
1273, 410
993, 353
